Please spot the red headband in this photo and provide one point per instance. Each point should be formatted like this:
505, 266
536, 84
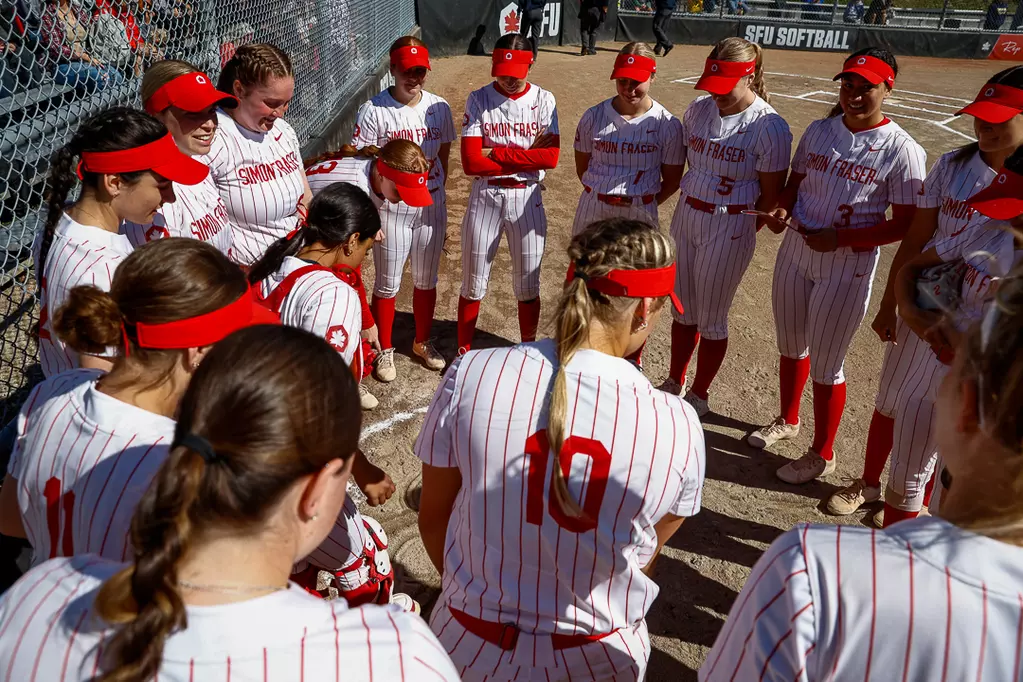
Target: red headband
873, 69
653, 283
203, 330
161, 156
634, 67
191, 92
410, 56
412, 187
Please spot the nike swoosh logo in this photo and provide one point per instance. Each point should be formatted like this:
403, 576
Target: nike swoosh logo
875, 150
959, 231
738, 236
860, 274
277, 138
651, 132
534, 108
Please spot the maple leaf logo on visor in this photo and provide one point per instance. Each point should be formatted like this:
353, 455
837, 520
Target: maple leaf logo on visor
511, 23
338, 338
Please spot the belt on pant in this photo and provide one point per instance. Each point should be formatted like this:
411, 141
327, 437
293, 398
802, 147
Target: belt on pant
506, 635
615, 200
507, 183
732, 209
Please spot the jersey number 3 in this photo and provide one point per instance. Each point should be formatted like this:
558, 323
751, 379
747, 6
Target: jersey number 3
538, 449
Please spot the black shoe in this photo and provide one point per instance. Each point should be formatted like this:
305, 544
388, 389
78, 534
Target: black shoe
657, 51
583, 52
667, 49
592, 51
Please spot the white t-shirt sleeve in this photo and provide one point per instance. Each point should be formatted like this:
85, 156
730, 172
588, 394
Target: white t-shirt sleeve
908, 173
366, 131
472, 126
930, 196
674, 144
584, 133
770, 632
690, 461
435, 445
335, 315
447, 126
774, 146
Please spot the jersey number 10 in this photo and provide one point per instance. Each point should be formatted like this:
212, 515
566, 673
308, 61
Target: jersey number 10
538, 449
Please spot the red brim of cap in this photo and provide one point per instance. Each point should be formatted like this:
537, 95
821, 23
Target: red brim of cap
204, 98
989, 111
632, 73
182, 169
418, 197
717, 85
413, 62
993, 203
871, 77
676, 302
510, 70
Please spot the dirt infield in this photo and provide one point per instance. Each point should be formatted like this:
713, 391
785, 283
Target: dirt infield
744, 506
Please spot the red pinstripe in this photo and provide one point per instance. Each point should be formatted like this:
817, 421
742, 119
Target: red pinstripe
397, 635
628, 478
614, 439
777, 645
369, 644
486, 505
504, 489
948, 624
776, 597
302, 656
107, 481
1019, 634
838, 597
337, 647
124, 488
35, 611
873, 600
983, 635
49, 628
912, 603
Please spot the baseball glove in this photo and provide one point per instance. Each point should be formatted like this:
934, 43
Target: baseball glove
938, 287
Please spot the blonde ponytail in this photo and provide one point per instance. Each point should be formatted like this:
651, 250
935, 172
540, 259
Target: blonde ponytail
737, 49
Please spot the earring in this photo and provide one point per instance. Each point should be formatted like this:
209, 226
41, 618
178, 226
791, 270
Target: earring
314, 516
195, 365
642, 326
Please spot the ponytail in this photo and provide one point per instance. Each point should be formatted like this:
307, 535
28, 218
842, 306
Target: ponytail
759, 84
735, 49
89, 321
61, 182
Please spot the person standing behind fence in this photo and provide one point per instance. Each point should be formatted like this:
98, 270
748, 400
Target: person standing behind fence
89, 443
408, 112
663, 9
531, 21
738, 149
256, 160
592, 13
126, 162
184, 99
846, 172
510, 138
254, 480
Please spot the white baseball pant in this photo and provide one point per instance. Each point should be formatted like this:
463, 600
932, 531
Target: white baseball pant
819, 302
914, 451
516, 211
591, 209
620, 656
407, 230
713, 252
896, 367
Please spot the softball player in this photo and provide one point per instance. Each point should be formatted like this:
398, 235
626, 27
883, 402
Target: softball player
82, 243
942, 213
847, 170
738, 149
405, 111
396, 174
510, 137
629, 151
542, 581
270, 416
183, 98
89, 443
255, 160
928, 599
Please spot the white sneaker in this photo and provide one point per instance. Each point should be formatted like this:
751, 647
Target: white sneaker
879, 519
806, 468
383, 368
852, 497
772, 433
671, 386
701, 406
406, 602
429, 355
367, 399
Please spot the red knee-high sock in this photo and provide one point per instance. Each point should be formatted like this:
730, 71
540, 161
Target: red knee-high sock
637, 356
684, 338
793, 374
424, 302
383, 311
828, 405
529, 319
708, 362
468, 311
893, 515
879, 445
929, 488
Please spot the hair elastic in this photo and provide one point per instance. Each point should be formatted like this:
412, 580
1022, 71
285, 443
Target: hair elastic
199, 445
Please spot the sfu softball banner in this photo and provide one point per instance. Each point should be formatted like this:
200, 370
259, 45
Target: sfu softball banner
800, 37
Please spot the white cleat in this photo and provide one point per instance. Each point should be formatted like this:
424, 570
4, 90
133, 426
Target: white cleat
428, 354
366, 399
383, 368
772, 433
806, 468
701, 406
406, 602
852, 497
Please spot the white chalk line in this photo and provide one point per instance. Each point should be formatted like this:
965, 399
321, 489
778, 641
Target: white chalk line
393, 420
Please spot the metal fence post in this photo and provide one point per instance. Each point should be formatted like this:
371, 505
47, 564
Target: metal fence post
834, 11
941, 19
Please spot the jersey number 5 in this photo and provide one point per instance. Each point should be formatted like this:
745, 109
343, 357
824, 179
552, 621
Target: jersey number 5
55, 504
726, 186
538, 449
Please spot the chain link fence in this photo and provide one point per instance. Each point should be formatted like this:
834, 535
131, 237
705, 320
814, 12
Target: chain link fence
64, 60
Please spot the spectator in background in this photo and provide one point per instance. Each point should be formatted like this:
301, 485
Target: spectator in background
19, 69
854, 12
812, 10
1017, 17
531, 18
139, 53
592, 14
662, 13
879, 13
476, 48
65, 29
738, 7
996, 12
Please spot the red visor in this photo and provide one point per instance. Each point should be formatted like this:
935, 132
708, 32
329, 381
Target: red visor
411, 186
634, 67
410, 56
205, 330
512, 63
719, 78
1002, 199
635, 283
995, 104
190, 92
162, 157
873, 69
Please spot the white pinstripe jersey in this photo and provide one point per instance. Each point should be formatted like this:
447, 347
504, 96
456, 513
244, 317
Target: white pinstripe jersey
320, 303
922, 600
727, 153
626, 155
79, 255
259, 176
346, 541
83, 460
354, 171
505, 122
637, 455
947, 187
990, 254
50, 630
428, 124
851, 179
198, 212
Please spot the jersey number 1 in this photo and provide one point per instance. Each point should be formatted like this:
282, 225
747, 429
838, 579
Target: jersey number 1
55, 504
538, 449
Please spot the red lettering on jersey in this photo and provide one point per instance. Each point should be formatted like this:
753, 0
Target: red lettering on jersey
697, 144
55, 504
633, 148
605, 146
538, 449
817, 162
501, 129
720, 152
209, 226
265, 172
975, 279
417, 135
322, 168
957, 210
854, 172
